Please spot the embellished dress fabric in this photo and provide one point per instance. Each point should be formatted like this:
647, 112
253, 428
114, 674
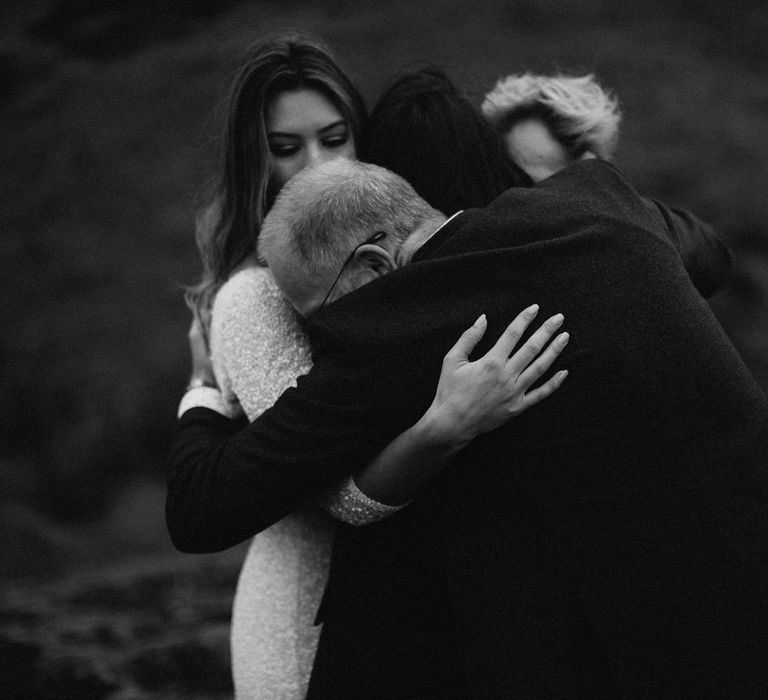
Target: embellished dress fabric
258, 350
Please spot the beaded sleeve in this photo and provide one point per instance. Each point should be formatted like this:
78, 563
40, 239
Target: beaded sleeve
258, 351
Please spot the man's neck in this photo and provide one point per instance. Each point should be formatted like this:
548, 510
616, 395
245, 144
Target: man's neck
425, 231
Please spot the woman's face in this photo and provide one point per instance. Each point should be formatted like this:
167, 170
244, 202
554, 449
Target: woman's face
531, 144
304, 128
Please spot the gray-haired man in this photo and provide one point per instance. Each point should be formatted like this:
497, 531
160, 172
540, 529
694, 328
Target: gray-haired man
611, 543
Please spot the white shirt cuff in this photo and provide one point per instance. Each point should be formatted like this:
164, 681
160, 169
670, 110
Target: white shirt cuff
207, 397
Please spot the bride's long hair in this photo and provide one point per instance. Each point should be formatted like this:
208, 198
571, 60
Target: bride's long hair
227, 227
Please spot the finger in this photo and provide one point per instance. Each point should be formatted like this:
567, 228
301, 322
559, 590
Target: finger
512, 334
543, 362
467, 342
534, 345
546, 389
195, 333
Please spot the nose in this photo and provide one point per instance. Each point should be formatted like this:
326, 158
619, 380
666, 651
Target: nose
316, 154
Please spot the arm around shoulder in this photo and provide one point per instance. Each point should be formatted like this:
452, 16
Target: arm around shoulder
200, 433
225, 484
704, 254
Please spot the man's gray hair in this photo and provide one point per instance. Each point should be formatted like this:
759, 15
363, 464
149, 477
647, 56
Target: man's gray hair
322, 213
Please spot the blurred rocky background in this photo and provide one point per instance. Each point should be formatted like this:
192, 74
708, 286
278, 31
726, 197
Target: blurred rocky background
108, 126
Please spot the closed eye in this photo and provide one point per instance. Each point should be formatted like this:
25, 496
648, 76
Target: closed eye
334, 135
283, 150
335, 141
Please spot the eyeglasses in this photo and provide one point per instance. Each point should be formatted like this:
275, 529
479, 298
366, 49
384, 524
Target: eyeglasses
373, 239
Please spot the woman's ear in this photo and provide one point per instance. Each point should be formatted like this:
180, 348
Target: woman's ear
373, 259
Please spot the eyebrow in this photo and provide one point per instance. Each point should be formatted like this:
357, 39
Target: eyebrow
323, 131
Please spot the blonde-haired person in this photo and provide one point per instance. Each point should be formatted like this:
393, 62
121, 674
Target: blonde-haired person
548, 122
291, 107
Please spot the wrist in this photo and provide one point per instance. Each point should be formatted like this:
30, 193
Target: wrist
440, 432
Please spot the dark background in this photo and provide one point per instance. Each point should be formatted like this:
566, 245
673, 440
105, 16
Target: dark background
109, 122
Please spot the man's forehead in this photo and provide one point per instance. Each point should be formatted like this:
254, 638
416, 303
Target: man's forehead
300, 288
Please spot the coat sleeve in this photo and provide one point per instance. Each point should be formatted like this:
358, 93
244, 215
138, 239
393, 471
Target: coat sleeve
705, 256
224, 486
259, 351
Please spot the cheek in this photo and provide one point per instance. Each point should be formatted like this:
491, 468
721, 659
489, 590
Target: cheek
538, 153
282, 171
349, 151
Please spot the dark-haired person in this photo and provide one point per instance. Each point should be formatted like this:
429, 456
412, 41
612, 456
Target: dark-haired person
424, 129
455, 156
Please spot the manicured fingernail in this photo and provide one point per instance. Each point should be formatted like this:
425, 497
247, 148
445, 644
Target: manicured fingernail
564, 338
557, 319
480, 321
562, 374
532, 310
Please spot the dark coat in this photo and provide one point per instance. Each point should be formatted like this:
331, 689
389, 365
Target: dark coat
610, 542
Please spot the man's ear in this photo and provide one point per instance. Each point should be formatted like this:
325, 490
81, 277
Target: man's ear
372, 258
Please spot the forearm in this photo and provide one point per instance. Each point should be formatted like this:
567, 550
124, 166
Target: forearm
347, 503
704, 254
225, 485
471, 398
395, 475
408, 463
198, 503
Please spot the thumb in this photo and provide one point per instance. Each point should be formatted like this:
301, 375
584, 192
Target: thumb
459, 353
